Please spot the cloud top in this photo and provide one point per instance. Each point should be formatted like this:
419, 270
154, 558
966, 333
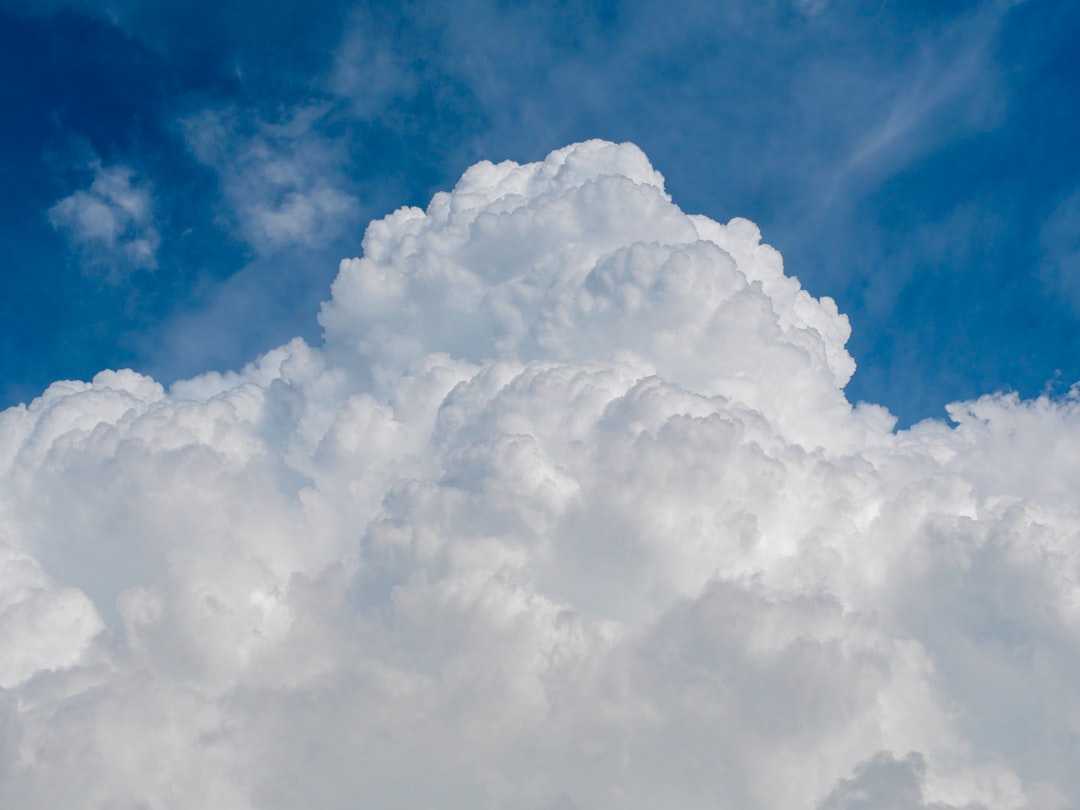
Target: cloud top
584, 257
569, 511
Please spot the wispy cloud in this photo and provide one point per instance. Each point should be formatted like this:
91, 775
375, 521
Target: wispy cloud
949, 86
368, 71
283, 182
110, 224
811, 8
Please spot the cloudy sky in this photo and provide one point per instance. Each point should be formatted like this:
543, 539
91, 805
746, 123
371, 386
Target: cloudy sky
186, 177
540, 407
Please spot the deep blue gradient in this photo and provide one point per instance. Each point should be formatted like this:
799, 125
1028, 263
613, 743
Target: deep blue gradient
916, 161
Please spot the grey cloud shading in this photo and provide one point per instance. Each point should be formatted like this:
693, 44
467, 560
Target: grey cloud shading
368, 72
567, 510
884, 783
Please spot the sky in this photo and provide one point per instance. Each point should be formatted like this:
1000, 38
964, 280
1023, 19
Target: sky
540, 407
187, 179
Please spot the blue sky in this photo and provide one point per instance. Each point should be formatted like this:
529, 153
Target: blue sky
182, 179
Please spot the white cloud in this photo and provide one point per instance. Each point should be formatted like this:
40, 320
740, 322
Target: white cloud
112, 222
569, 511
283, 183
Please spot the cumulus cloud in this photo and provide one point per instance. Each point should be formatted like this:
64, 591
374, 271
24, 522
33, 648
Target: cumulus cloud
111, 223
569, 510
282, 181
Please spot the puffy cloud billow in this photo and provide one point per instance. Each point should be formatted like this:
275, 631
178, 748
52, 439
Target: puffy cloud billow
569, 512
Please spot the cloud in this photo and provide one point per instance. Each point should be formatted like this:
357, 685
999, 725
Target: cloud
884, 782
950, 87
283, 182
811, 8
111, 223
568, 510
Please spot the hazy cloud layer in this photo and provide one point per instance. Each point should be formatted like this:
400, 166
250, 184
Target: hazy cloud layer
569, 511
